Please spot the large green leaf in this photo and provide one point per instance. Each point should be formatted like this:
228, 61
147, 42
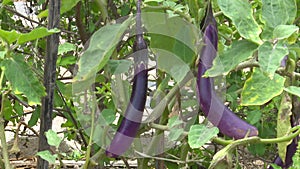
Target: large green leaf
278, 12
201, 134
240, 12
284, 31
238, 52
23, 80
174, 35
259, 88
270, 56
102, 44
66, 5
9, 36
36, 34
283, 123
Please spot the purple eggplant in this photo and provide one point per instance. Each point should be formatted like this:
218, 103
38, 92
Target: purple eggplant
134, 112
215, 111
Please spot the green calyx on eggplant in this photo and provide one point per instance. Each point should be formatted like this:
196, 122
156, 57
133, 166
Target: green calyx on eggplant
215, 111
131, 121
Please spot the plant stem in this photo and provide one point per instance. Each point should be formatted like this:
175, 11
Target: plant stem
295, 130
2, 130
89, 147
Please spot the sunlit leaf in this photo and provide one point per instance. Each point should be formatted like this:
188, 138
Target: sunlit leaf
46, 155
4, 2
284, 31
278, 12
259, 88
270, 56
9, 36
238, 52
23, 80
201, 134
36, 34
293, 90
52, 138
240, 12
66, 47
102, 44
66, 5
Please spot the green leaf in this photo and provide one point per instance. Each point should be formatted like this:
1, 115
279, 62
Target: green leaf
36, 34
66, 60
9, 36
174, 121
259, 89
257, 149
46, 155
2, 54
7, 108
107, 116
284, 31
296, 158
253, 116
174, 35
65, 47
5, 2
238, 52
119, 66
270, 57
52, 138
276, 166
66, 5
25, 81
175, 133
283, 123
34, 117
200, 134
102, 44
293, 90
240, 12
171, 64
278, 12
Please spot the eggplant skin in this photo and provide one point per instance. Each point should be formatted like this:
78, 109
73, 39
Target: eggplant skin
215, 111
133, 115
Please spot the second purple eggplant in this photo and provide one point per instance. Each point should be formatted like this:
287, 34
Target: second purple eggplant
215, 111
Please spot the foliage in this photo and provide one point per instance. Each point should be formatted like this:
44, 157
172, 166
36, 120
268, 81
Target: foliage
257, 73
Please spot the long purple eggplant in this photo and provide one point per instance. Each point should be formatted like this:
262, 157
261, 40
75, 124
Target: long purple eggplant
134, 112
215, 111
